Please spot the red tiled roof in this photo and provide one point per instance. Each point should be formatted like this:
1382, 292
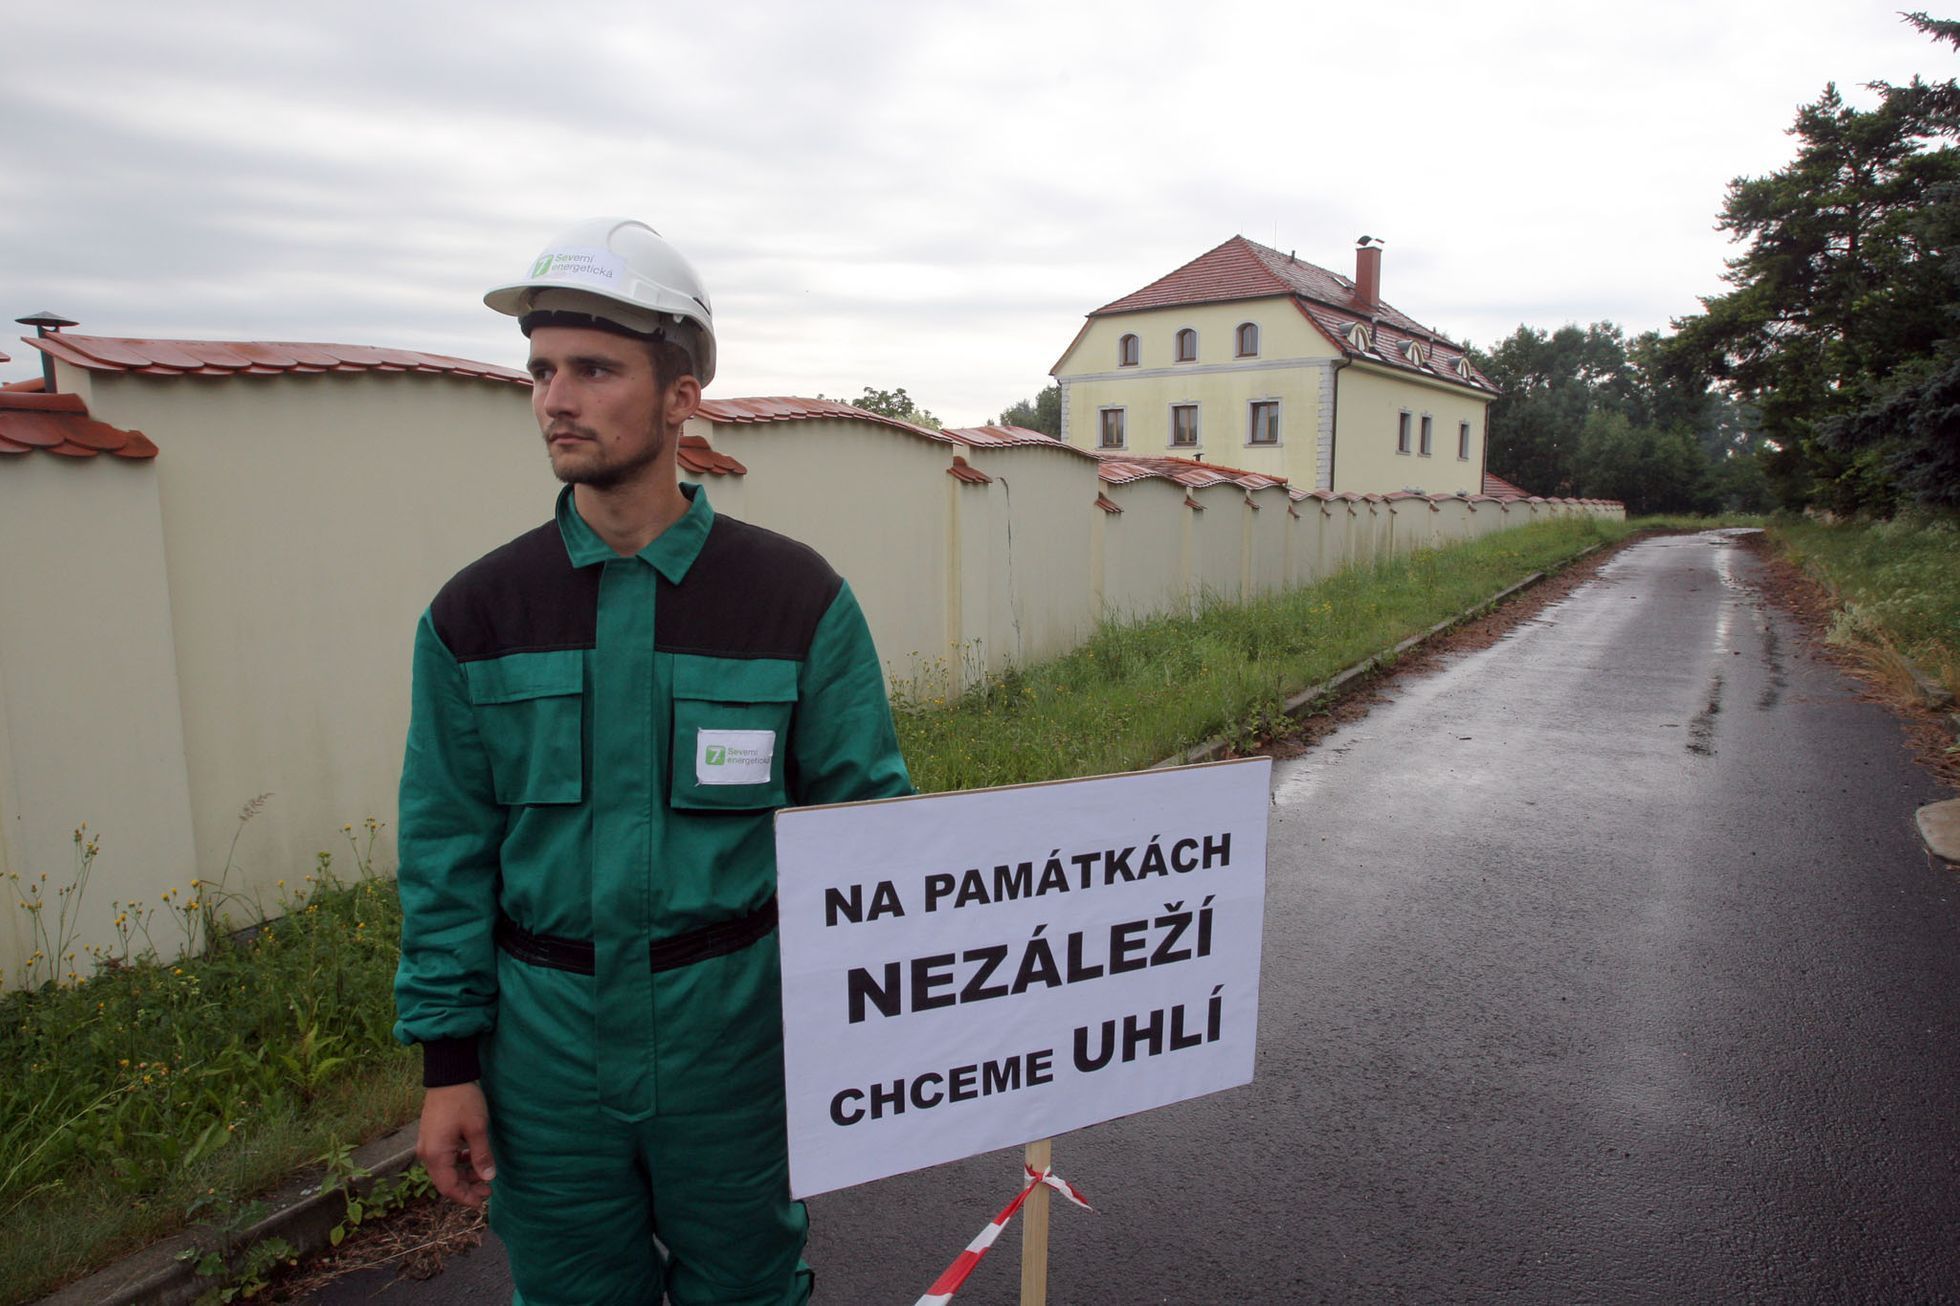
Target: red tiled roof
1121, 469
698, 456
786, 409
1245, 269
60, 424
1005, 437
1499, 488
961, 470
1108, 504
33, 383
252, 358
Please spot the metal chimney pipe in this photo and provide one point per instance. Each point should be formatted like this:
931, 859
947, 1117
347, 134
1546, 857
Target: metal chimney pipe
46, 324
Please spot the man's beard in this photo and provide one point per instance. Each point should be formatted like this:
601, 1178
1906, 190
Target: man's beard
611, 476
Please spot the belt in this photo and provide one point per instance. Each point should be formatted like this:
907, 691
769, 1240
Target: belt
576, 955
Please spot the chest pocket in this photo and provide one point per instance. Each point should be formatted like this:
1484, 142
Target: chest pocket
731, 731
528, 712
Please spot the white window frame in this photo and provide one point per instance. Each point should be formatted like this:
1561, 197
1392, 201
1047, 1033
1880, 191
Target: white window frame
1177, 345
1426, 440
1197, 426
1279, 423
1122, 427
1463, 442
1405, 432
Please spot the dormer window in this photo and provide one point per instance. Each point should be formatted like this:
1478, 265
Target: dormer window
1127, 352
1187, 346
1358, 337
1415, 352
1463, 367
1248, 343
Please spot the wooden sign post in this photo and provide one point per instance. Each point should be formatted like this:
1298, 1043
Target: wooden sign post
1034, 1231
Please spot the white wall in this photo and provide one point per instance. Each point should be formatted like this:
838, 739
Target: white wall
234, 618
90, 725
307, 520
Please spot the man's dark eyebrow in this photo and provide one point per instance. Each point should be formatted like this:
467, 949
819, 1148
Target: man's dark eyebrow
582, 360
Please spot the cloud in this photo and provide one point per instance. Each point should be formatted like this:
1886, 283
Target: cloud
885, 193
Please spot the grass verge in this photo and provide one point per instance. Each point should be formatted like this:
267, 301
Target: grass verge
1897, 585
150, 1095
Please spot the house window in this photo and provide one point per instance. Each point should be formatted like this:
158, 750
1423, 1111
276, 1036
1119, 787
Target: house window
1248, 340
1402, 434
1187, 345
1427, 430
1463, 441
1264, 427
1126, 352
1112, 428
1184, 426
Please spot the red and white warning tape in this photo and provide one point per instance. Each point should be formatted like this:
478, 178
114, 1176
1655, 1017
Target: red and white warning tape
954, 1278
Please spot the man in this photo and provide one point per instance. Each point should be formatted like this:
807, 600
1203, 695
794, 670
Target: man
606, 713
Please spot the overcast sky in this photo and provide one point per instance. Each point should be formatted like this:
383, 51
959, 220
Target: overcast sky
888, 194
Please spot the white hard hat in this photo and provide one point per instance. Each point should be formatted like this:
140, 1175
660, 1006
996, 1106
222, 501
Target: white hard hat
626, 277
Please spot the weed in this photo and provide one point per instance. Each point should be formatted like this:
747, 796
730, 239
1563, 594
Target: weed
151, 1087
53, 958
1898, 587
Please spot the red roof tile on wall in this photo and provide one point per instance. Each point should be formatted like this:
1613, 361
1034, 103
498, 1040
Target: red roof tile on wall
698, 456
253, 358
787, 409
1499, 488
60, 424
1121, 469
1005, 437
965, 472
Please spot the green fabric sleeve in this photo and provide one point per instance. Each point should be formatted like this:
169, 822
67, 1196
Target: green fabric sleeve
451, 829
843, 744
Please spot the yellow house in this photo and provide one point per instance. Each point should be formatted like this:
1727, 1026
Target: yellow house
1255, 358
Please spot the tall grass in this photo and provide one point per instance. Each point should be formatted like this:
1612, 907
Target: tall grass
155, 1092
1898, 583
1139, 691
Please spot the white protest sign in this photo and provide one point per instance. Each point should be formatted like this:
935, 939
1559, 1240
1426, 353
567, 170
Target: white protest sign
969, 971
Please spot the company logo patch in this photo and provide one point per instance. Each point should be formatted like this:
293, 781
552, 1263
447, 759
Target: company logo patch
579, 265
734, 757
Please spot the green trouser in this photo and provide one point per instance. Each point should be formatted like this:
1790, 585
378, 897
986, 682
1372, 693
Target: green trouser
581, 1194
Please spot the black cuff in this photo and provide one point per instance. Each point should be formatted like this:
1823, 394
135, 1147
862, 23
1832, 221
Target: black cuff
447, 1061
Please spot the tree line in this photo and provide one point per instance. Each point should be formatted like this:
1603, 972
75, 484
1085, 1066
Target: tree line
1827, 376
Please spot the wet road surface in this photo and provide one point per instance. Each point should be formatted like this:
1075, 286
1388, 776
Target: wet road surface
1602, 965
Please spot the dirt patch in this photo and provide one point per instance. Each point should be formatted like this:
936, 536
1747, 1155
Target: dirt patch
1358, 696
415, 1242
1786, 586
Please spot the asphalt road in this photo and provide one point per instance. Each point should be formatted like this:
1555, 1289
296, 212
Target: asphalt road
1602, 965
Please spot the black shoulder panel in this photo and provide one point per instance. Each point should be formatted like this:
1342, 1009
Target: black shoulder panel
750, 594
525, 597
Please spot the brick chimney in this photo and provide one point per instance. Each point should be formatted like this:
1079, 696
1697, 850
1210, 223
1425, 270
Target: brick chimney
1368, 275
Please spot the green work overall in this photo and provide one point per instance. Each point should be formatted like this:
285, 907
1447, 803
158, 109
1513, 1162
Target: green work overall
596, 747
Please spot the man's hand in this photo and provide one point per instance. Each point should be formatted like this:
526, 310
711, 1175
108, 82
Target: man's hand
453, 1143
